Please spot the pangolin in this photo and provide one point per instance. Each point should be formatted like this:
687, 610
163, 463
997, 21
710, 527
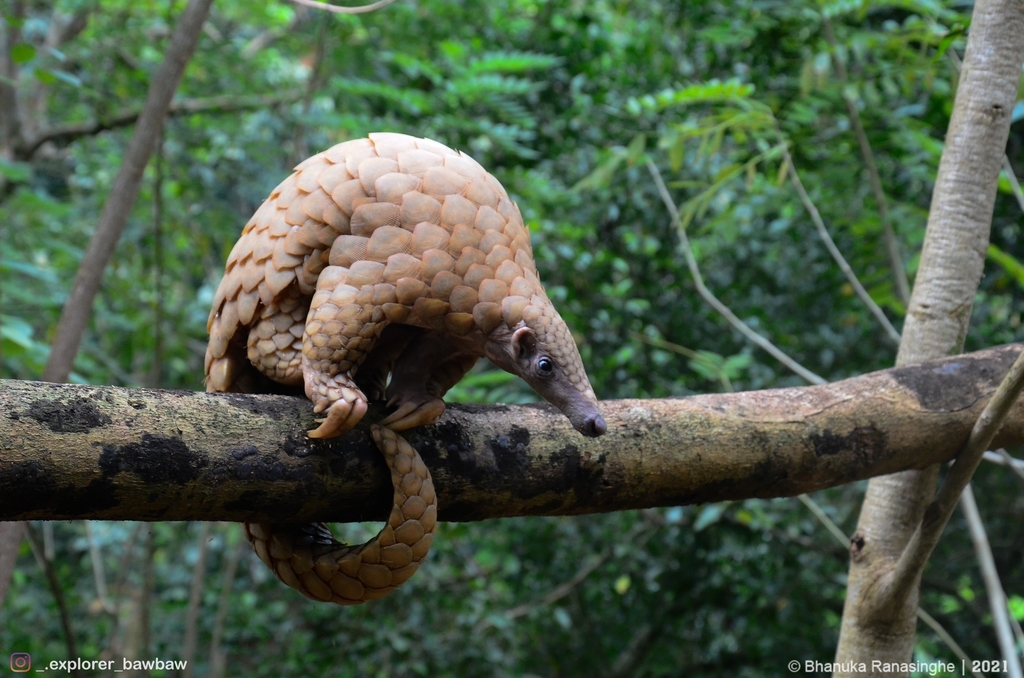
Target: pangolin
383, 269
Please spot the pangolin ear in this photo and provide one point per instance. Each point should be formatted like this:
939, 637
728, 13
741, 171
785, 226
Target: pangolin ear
524, 343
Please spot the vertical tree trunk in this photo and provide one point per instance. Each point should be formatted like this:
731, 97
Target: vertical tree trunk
114, 216
877, 626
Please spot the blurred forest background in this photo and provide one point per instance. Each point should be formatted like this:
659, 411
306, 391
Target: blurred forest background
570, 104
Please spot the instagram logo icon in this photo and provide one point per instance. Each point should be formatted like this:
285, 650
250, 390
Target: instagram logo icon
21, 662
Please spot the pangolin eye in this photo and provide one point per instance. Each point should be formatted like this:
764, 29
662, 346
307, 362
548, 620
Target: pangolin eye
545, 366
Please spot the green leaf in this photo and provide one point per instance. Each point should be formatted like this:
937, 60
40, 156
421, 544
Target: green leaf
23, 53
45, 76
735, 364
512, 62
622, 584
1016, 605
954, 34
15, 171
1010, 264
15, 330
707, 92
635, 150
601, 176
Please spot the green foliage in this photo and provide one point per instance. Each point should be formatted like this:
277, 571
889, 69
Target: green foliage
565, 102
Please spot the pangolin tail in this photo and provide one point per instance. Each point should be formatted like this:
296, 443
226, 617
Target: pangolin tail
309, 559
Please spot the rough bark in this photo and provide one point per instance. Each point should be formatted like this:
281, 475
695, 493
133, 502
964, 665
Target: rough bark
71, 451
875, 625
118, 204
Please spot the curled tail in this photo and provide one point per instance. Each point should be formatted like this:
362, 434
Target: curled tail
309, 559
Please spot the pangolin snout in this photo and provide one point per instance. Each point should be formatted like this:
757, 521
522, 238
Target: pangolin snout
593, 426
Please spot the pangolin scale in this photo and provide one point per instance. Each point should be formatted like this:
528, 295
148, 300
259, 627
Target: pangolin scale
383, 269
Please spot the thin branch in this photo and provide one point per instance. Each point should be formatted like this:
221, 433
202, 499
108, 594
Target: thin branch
300, 150
362, 9
823, 518
10, 115
560, 591
217, 655
10, 542
49, 547
994, 587
58, 593
637, 537
689, 353
97, 569
73, 26
943, 634
899, 273
926, 536
156, 367
225, 103
195, 597
834, 251
265, 38
1003, 458
124, 566
643, 641
1018, 632
710, 298
137, 641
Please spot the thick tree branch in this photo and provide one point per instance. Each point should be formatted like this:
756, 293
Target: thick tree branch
113, 453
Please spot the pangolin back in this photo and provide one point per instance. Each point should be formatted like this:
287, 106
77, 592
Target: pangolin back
410, 217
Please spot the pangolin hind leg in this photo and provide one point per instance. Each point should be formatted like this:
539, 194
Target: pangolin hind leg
341, 329
274, 346
373, 374
422, 375
307, 557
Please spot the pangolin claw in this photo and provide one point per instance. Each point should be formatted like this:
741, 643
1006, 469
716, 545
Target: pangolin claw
413, 413
342, 416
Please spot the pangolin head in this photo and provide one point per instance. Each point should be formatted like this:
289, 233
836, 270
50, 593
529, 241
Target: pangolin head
541, 350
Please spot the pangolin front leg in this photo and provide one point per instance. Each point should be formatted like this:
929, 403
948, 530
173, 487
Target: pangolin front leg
342, 327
